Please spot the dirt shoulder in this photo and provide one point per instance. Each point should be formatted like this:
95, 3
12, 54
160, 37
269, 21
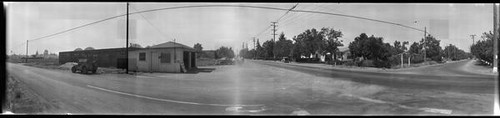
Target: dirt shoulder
475, 66
21, 99
361, 69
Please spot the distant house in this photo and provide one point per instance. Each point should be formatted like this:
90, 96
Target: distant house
343, 54
165, 57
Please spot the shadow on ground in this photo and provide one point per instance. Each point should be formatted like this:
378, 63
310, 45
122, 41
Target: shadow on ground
198, 70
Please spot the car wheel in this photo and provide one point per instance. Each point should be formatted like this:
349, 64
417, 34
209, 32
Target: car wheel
84, 70
94, 70
73, 69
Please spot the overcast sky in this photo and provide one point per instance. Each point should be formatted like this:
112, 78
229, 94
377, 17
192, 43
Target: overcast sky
231, 26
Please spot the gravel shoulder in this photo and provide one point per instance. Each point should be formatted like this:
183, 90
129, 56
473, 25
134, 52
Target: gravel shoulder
23, 100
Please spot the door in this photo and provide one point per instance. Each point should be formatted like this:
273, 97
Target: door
155, 61
186, 60
193, 59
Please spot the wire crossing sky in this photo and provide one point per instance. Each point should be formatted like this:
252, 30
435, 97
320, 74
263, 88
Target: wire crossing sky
219, 24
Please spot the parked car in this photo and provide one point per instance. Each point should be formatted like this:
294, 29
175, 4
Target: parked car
225, 61
84, 66
285, 60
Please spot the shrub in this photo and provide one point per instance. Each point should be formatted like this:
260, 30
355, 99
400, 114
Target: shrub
349, 63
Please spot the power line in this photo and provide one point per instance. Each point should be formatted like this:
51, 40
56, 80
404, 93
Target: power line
287, 12
303, 16
158, 30
244, 6
277, 20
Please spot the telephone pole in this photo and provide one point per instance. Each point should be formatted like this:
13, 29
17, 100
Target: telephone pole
495, 36
425, 42
26, 51
473, 38
126, 47
274, 37
254, 48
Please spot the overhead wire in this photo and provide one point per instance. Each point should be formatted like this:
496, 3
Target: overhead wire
303, 16
244, 6
158, 30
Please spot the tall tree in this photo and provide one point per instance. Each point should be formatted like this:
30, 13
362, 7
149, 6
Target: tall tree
283, 46
226, 52
331, 41
309, 42
483, 49
135, 45
268, 49
372, 48
453, 53
198, 47
260, 50
432, 48
415, 48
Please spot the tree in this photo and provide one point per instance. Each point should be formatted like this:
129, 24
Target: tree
453, 53
78, 49
432, 48
89, 48
225, 52
198, 47
283, 47
372, 48
46, 52
268, 49
135, 45
483, 49
331, 41
260, 50
309, 42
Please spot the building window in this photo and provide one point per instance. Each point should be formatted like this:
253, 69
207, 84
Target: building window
165, 57
142, 56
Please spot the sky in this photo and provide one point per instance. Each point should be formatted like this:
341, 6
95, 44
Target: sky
231, 26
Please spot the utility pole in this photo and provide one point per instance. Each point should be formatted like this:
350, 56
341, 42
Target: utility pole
495, 51
472, 42
126, 47
274, 37
254, 48
473, 38
402, 60
26, 51
495, 36
175, 53
425, 41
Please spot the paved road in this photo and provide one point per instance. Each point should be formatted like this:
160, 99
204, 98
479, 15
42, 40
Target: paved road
251, 84
424, 78
77, 93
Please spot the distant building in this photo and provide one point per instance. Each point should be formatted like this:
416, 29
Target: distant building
112, 57
165, 57
343, 54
